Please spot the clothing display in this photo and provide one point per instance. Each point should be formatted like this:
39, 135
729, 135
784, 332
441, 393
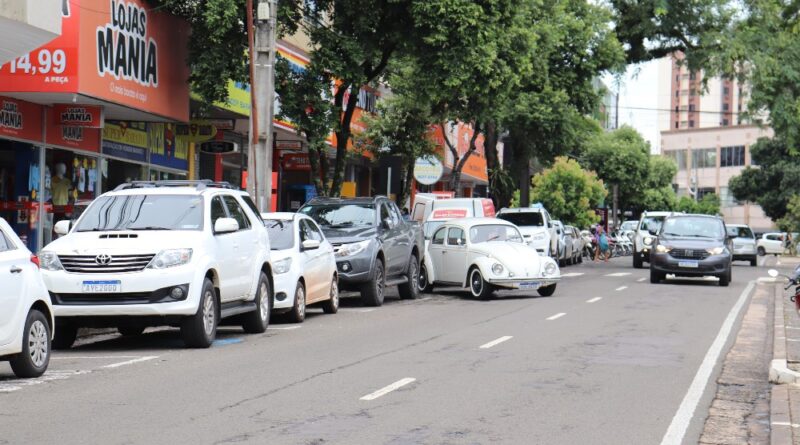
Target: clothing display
60, 190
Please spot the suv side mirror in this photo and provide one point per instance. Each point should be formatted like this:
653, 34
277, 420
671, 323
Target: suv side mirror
226, 225
309, 244
386, 223
62, 227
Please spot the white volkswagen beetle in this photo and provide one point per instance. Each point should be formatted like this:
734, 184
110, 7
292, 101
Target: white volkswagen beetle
484, 254
303, 265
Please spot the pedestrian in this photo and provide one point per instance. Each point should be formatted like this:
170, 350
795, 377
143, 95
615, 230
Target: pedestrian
601, 240
406, 215
787, 243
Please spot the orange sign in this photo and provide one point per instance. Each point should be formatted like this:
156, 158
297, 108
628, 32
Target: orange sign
449, 214
82, 138
121, 51
90, 116
20, 119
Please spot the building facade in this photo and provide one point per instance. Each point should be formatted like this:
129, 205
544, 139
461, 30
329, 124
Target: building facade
708, 158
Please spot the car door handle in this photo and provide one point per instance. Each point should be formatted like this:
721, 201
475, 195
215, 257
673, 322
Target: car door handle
15, 269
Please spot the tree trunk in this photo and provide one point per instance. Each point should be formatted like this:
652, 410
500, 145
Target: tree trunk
405, 183
343, 135
458, 166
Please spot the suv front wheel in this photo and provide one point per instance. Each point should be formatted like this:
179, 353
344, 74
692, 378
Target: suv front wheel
410, 289
200, 329
257, 321
372, 292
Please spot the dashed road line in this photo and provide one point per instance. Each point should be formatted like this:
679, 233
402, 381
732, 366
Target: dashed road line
130, 362
556, 316
618, 274
496, 342
572, 274
389, 388
90, 357
621, 288
793, 425
641, 279
594, 300
283, 328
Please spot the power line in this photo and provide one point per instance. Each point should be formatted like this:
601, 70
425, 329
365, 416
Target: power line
667, 110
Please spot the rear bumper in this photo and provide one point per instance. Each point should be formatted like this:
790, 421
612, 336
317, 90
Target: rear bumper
713, 265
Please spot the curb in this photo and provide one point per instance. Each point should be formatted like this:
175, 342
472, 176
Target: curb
779, 372
779, 416
780, 419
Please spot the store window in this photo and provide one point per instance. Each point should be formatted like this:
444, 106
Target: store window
119, 172
71, 182
732, 156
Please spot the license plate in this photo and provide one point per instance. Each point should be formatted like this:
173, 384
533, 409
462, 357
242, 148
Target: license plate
102, 287
530, 285
693, 264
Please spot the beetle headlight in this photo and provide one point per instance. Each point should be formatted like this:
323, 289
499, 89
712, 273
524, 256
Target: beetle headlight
170, 258
282, 266
50, 261
497, 269
550, 269
716, 250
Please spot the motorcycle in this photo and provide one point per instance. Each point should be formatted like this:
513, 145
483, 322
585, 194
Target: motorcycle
794, 280
588, 245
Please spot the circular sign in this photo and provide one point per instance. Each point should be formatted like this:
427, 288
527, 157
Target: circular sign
428, 171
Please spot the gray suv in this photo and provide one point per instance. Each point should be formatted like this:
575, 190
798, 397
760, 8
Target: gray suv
374, 245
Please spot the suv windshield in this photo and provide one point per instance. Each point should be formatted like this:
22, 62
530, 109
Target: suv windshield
651, 224
523, 218
143, 212
281, 234
741, 232
693, 227
628, 225
341, 215
494, 232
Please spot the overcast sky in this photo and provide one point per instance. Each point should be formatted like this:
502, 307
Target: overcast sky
638, 100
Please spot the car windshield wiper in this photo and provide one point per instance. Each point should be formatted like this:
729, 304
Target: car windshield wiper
96, 229
149, 228
340, 225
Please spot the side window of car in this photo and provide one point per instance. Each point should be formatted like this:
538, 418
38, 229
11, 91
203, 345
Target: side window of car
455, 237
217, 210
385, 211
249, 202
5, 244
237, 212
310, 231
438, 237
395, 213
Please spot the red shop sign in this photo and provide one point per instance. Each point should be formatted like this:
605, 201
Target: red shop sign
296, 162
89, 116
20, 119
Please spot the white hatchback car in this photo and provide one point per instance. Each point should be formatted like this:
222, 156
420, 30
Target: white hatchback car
303, 265
153, 253
26, 317
485, 254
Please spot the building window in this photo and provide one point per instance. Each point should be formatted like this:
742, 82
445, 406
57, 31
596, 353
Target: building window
677, 93
732, 156
693, 92
679, 156
724, 122
726, 91
705, 191
704, 158
677, 78
691, 107
692, 76
691, 124
725, 107
684, 124
676, 109
676, 124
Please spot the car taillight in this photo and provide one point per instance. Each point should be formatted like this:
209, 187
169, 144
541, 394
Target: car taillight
35, 260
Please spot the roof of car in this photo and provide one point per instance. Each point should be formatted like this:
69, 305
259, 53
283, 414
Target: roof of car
478, 221
522, 210
661, 213
694, 215
357, 200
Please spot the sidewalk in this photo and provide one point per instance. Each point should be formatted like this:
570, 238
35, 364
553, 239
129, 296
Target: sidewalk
785, 408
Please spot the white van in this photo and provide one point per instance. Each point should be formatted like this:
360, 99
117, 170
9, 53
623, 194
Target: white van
432, 210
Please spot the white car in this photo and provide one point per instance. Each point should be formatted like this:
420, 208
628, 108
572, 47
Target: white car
303, 263
484, 254
646, 231
26, 316
536, 226
772, 243
150, 253
577, 245
744, 243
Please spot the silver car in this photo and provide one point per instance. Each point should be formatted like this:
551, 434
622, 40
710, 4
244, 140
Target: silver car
744, 243
565, 246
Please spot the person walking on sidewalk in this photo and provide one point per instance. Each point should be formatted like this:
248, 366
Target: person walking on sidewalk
788, 244
603, 247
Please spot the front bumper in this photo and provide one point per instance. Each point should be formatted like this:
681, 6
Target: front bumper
143, 293
285, 286
355, 269
522, 283
713, 265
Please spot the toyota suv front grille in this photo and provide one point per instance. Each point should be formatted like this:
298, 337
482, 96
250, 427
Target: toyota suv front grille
105, 263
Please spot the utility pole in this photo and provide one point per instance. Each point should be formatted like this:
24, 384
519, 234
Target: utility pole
262, 90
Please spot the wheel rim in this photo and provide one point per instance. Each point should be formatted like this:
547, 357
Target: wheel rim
414, 272
300, 299
262, 290
380, 283
37, 343
208, 314
422, 278
335, 293
476, 282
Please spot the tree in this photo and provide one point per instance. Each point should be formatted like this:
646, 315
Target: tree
708, 205
569, 191
659, 194
790, 222
773, 182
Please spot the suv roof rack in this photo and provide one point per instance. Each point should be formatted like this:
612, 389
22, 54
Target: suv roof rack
199, 184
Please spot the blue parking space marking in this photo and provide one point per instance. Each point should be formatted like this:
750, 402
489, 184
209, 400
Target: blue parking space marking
227, 341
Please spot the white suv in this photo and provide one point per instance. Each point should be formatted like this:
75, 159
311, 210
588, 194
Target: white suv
179, 253
536, 227
26, 320
645, 234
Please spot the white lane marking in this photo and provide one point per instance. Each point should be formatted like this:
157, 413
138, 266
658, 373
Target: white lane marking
556, 316
793, 425
364, 311
683, 417
130, 362
496, 342
17, 384
621, 288
618, 274
595, 299
793, 339
284, 328
791, 327
98, 357
423, 299
387, 389
572, 274
641, 279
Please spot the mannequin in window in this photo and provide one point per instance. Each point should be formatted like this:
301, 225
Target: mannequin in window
60, 185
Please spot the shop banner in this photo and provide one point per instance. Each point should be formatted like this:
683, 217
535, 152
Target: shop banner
296, 162
196, 131
89, 116
127, 140
20, 119
68, 136
166, 149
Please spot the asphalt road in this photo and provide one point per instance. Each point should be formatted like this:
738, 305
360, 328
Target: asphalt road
607, 360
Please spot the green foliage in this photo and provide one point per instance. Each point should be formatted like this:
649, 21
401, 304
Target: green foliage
790, 222
773, 182
708, 205
620, 157
569, 191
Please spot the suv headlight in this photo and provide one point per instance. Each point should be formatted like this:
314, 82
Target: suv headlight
716, 250
282, 266
648, 241
352, 248
50, 261
170, 258
662, 248
497, 269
